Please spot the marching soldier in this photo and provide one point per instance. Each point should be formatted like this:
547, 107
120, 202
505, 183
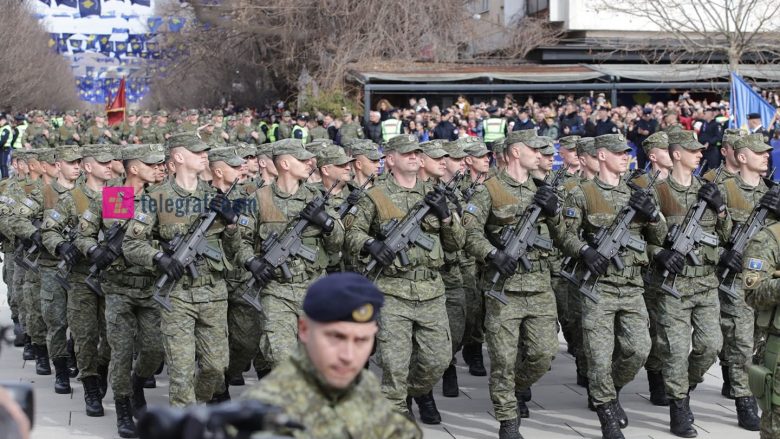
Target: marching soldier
38, 134
729, 167
99, 133
144, 131
68, 132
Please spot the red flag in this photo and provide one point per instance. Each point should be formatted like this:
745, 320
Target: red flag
116, 108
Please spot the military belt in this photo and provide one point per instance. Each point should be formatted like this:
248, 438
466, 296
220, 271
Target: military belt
188, 282
421, 274
132, 281
535, 267
295, 279
698, 270
628, 272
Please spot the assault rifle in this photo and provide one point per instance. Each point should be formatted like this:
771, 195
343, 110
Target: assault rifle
113, 243
516, 241
63, 268
23, 253
346, 206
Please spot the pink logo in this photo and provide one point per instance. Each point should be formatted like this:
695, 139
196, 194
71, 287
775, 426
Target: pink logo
118, 202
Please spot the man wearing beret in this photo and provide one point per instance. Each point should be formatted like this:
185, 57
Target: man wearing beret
694, 318
615, 341
323, 384
729, 167
414, 324
530, 313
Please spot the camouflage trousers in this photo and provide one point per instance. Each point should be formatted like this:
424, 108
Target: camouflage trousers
190, 331
615, 340
736, 324
36, 327
770, 423
412, 329
560, 288
282, 306
14, 295
653, 363
133, 325
17, 285
574, 315
521, 341
455, 303
87, 322
244, 329
474, 332
689, 336
54, 307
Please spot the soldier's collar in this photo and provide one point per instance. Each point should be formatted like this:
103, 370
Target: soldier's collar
419, 185
508, 179
302, 361
620, 186
679, 187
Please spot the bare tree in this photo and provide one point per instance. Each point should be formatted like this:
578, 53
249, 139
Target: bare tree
737, 30
31, 73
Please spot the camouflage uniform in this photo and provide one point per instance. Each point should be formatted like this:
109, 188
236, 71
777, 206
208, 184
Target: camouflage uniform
197, 323
243, 133
64, 135
413, 322
317, 133
34, 135
357, 411
95, 135
351, 131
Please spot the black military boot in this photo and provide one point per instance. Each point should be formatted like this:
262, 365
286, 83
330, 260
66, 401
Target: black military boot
680, 421
221, 397
92, 396
409, 412
510, 429
429, 414
262, 373
102, 371
73, 368
449, 382
687, 402
476, 364
19, 335
28, 354
124, 419
237, 380
619, 412
42, 366
610, 428
747, 413
658, 396
726, 389
582, 380
150, 383
138, 401
524, 394
61, 376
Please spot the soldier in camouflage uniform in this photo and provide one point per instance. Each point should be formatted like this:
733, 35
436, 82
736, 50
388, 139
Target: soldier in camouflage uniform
285, 126
521, 335
334, 166
189, 123
196, 325
697, 310
99, 133
615, 341
68, 132
367, 160
278, 204
335, 404
38, 134
162, 129
125, 131
9, 186
414, 322
245, 131
729, 167
568, 153
219, 135
350, 129
144, 130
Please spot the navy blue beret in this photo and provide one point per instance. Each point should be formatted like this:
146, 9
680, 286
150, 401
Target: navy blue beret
343, 297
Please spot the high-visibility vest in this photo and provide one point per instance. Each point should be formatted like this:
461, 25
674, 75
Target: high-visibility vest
21, 128
494, 128
391, 128
304, 133
272, 132
7, 129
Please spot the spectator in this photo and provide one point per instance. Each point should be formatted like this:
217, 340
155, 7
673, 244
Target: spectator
374, 127
710, 136
645, 126
446, 130
523, 122
571, 122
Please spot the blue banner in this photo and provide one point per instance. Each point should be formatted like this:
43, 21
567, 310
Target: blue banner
70, 3
744, 100
89, 7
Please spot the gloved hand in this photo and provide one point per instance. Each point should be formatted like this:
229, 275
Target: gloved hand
224, 207
317, 216
35, 238
546, 199
771, 201
379, 251
643, 204
731, 260
261, 271
353, 198
68, 253
671, 260
100, 257
502, 262
596, 263
709, 192
438, 202
169, 266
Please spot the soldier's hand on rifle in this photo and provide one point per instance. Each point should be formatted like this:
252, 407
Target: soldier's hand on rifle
379, 251
546, 199
169, 266
224, 207
261, 271
709, 192
35, 238
671, 260
437, 200
731, 260
595, 261
771, 201
100, 257
353, 198
68, 252
502, 262
316, 215
643, 204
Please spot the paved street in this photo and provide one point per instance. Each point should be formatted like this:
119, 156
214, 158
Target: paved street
558, 408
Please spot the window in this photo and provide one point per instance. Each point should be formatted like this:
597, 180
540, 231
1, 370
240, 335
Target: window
534, 7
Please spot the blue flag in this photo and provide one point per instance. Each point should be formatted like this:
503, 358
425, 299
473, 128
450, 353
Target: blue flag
154, 23
46, 2
744, 100
141, 2
175, 24
89, 7
70, 3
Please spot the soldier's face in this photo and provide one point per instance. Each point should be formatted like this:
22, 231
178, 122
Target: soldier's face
454, 165
754, 161
661, 158
365, 166
101, 171
22, 167
338, 350
252, 165
688, 159
434, 167
478, 164
337, 172
546, 163
159, 172
69, 170
569, 156
616, 162
146, 120
528, 157
117, 168
404, 163
590, 163
268, 164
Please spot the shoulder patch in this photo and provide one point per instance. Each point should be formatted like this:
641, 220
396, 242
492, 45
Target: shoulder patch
29, 203
470, 208
569, 212
56, 216
141, 217
243, 220
755, 264
88, 216
7, 200
751, 279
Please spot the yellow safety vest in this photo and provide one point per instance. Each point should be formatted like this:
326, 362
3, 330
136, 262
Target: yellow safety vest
495, 128
391, 128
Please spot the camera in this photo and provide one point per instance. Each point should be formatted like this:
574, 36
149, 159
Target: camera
21, 393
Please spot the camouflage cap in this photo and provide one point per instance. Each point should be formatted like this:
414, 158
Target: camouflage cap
456, 148
731, 135
754, 142
499, 146
292, 147
434, 149
685, 139
150, 154
131, 113
67, 153
403, 143
318, 145
568, 142
266, 149
477, 149
217, 113
227, 155
189, 140
521, 136
547, 145
146, 113
333, 155
101, 153
162, 113
193, 112
36, 113
611, 142
541, 142
44, 155
286, 113
366, 148
656, 140
245, 150
586, 145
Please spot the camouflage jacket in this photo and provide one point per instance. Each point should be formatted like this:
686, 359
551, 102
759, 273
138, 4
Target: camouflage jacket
243, 133
70, 206
34, 135
95, 135
64, 135
761, 280
351, 131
